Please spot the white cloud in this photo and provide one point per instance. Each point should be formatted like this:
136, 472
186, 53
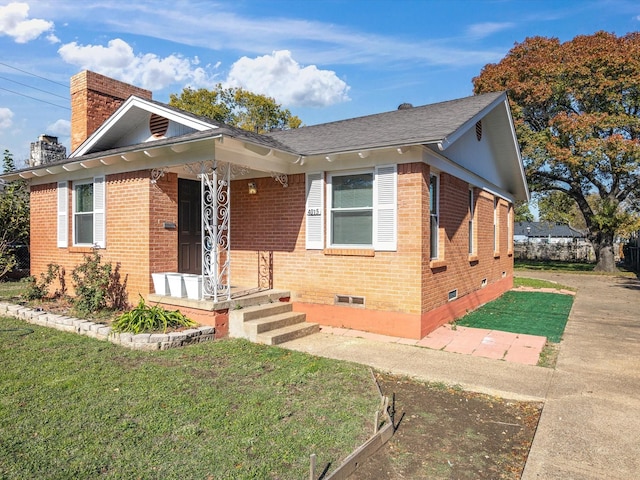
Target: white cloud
60, 128
6, 117
279, 76
482, 30
118, 60
14, 22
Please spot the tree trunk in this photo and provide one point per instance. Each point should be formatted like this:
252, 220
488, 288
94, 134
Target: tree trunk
604, 250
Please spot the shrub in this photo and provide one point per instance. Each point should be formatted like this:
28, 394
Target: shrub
98, 285
145, 318
39, 289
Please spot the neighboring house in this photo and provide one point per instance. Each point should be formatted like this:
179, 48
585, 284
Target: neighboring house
546, 232
392, 223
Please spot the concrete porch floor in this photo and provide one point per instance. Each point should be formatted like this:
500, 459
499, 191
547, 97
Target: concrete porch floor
511, 347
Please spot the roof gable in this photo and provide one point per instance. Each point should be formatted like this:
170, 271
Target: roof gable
130, 125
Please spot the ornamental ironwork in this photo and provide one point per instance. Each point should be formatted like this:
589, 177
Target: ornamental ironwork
216, 256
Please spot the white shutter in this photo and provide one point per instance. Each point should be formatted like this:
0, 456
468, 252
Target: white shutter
99, 211
63, 215
385, 210
314, 212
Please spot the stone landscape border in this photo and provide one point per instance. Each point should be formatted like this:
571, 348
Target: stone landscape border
100, 331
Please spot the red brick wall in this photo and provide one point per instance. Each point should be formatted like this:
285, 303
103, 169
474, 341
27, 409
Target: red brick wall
99, 95
405, 292
402, 281
136, 238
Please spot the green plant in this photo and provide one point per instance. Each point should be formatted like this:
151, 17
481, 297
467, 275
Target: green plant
147, 318
98, 285
39, 289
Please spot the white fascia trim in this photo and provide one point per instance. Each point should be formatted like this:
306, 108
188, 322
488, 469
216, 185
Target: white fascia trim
516, 145
137, 102
443, 164
451, 139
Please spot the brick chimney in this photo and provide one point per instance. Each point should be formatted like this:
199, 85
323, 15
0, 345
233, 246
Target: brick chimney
94, 98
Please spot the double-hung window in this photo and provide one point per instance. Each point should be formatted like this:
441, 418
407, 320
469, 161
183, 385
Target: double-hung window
361, 209
83, 213
434, 182
87, 215
352, 209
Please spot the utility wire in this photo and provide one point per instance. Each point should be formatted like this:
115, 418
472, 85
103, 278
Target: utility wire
34, 88
34, 75
33, 98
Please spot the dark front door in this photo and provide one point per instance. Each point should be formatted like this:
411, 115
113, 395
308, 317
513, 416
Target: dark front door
189, 227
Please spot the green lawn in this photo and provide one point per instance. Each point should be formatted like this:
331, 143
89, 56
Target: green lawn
537, 283
532, 313
75, 407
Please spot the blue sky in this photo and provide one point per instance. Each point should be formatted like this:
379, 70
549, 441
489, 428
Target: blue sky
324, 60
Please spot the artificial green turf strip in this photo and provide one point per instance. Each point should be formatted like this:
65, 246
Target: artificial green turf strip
531, 313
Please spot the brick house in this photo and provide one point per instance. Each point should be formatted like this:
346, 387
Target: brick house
392, 223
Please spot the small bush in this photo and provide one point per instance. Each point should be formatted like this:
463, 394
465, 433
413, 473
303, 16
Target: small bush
38, 289
98, 285
146, 318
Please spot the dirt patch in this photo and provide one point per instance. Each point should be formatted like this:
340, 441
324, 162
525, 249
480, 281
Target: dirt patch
447, 433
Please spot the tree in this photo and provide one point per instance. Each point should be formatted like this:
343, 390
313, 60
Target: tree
558, 207
237, 107
576, 107
522, 212
14, 216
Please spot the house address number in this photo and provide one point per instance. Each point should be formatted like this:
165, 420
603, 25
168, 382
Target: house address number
313, 212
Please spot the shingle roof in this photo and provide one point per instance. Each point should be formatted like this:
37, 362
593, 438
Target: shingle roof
545, 230
412, 126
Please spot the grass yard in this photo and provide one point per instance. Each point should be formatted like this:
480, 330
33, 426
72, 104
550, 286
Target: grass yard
532, 313
537, 283
75, 407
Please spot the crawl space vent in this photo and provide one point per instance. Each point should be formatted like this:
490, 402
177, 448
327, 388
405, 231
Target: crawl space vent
349, 300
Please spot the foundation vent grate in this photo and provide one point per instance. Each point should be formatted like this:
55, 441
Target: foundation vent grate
349, 300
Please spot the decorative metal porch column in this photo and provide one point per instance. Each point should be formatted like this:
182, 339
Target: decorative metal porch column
216, 254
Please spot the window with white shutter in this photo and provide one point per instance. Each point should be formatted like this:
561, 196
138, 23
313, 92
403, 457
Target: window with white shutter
89, 212
362, 209
63, 215
385, 208
314, 211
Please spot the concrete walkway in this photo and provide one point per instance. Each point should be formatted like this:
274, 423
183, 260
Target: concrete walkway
590, 424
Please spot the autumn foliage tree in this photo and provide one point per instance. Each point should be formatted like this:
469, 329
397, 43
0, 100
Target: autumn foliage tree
237, 107
576, 106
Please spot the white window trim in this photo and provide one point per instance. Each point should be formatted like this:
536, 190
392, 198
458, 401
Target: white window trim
98, 213
330, 208
378, 243
437, 216
472, 223
496, 206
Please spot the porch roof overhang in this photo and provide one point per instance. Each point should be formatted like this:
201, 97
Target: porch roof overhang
168, 153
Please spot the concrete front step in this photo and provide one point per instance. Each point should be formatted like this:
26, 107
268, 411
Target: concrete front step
285, 334
273, 322
269, 323
260, 311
